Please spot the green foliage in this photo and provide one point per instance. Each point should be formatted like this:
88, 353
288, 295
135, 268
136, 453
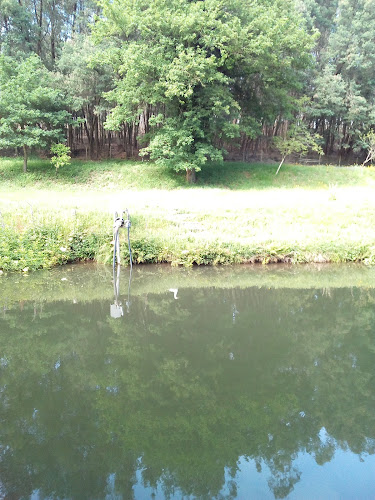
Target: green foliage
42, 27
192, 66
49, 239
369, 144
341, 87
319, 15
191, 78
61, 156
32, 111
176, 146
16, 29
83, 83
298, 140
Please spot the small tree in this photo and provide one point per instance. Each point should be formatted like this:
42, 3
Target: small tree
297, 140
369, 144
32, 111
61, 156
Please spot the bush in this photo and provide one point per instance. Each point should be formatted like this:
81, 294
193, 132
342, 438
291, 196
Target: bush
61, 156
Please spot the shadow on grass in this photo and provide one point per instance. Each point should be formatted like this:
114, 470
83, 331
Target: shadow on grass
41, 171
258, 176
105, 174
127, 174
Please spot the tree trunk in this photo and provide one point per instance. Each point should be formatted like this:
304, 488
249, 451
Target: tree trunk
39, 22
53, 47
74, 15
53, 32
24, 158
282, 161
70, 136
191, 175
96, 136
89, 126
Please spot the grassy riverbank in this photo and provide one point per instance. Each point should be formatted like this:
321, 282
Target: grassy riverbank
235, 213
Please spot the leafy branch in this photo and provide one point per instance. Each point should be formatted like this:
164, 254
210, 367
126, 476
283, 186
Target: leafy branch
297, 140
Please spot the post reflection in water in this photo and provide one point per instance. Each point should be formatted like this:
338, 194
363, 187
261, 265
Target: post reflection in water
224, 393
117, 310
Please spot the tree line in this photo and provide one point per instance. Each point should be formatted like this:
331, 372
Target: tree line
184, 82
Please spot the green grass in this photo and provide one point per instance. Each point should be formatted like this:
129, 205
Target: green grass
141, 175
236, 212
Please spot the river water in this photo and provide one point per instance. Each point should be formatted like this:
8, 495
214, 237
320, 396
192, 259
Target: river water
242, 382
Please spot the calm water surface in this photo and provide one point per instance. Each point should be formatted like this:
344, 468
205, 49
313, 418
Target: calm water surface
208, 383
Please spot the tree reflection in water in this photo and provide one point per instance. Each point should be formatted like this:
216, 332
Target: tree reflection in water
179, 391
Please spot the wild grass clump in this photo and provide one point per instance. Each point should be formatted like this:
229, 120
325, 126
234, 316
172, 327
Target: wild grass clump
44, 240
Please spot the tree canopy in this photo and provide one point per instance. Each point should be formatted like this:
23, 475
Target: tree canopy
185, 82
201, 70
32, 111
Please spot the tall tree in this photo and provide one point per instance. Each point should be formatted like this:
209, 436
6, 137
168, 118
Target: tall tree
16, 30
320, 15
197, 69
43, 26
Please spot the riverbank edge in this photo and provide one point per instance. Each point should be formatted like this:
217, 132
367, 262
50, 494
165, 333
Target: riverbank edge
48, 245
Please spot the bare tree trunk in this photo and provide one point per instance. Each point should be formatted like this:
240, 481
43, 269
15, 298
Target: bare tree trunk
24, 158
134, 140
74, 16
109, 144
89, 126
70, 136
96, 136
191, 177
39, 22
53, 32
282, 161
